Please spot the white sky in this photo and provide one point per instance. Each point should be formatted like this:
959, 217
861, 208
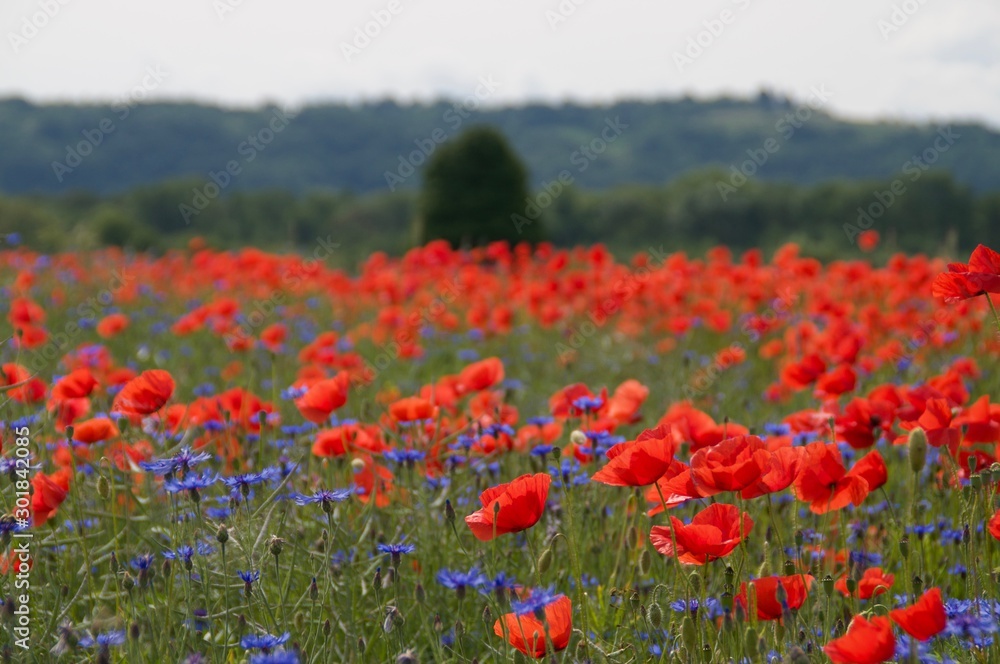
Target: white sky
942, 63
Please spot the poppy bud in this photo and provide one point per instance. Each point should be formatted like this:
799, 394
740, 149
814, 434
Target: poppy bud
544, 561
789, 568
103, 487
449, 513
797, 656
688, 634
633, 537
917, 444
750, 643
69, 433
655, 615
645, 562
852, 585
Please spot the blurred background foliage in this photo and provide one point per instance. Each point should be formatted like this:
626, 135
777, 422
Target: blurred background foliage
657, 183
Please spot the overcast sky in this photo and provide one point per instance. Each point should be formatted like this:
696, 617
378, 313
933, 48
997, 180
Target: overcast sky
930, 60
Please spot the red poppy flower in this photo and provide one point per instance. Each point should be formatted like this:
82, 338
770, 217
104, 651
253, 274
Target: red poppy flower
868, 240
75, 385
480, 375
50, 492
676, 487
712, 534
872, 468
112, 324
639, 462
731, 465
782, 469
769, 607
94, 430
323, 398
411, 409
994, 525
925, 618
836, 382
623, 406
873, 582
825, 483
528, 634
963, 281
521, 504
145, 394
866, 642
799, 375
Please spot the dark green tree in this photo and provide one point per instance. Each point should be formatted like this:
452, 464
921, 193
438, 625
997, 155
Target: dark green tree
476, 191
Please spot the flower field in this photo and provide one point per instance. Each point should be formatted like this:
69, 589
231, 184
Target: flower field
499, 454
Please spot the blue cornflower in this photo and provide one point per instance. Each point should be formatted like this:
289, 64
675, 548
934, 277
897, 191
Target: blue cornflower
409, 456
292, 393
143, 562
502, 585
264, 642
183, 461
536, 602
920, 530
710, 609
183, 553
325, 497
396, 550
588, 404
459, 581
191, 483
436, 482
242, 483
105, 640
248, 579
542, 450
777, 429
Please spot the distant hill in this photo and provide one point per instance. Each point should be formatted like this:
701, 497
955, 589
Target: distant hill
353, 147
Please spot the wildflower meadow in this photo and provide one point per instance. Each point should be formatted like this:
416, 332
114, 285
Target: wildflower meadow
499, 454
